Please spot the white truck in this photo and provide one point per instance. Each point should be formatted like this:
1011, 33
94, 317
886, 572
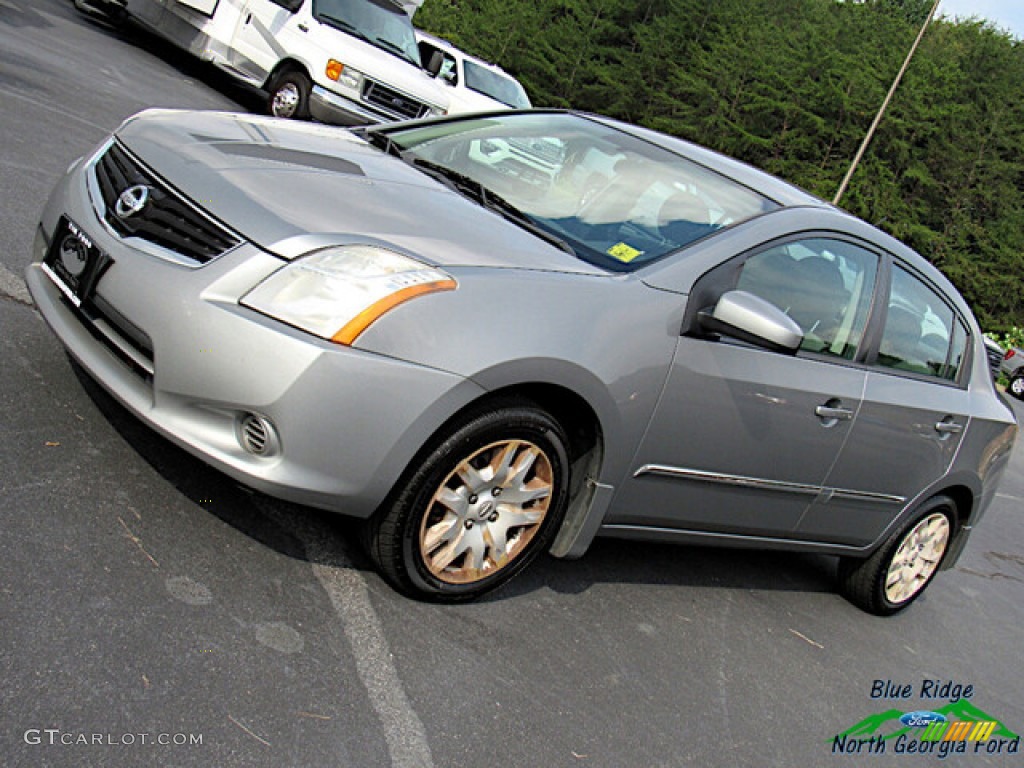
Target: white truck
472, 84
349, 62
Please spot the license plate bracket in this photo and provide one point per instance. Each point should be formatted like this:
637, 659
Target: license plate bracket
74, 262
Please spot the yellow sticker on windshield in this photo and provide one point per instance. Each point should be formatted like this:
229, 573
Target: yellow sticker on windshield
623, 252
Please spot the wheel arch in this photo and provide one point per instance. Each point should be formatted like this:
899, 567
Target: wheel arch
577, 416
288, 64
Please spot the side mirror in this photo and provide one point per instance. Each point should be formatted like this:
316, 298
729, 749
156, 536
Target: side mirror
744, 316
435, 63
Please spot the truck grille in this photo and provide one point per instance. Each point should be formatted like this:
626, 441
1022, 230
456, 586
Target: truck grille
995, 360
394, 102
166, 219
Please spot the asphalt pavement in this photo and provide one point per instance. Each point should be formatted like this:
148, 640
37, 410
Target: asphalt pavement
153, 612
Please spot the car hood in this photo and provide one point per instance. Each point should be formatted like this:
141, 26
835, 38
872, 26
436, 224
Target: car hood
292, 187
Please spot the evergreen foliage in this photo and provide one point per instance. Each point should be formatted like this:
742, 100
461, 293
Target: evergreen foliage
791, 86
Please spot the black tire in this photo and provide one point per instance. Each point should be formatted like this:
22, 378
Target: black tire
864, 581
481, 538
1016, 387
289, 95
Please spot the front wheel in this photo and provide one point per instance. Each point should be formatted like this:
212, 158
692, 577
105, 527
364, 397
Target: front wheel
896, 575
1016, 387
289, 95
477, 509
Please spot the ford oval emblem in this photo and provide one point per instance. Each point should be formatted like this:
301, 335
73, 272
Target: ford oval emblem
922, 718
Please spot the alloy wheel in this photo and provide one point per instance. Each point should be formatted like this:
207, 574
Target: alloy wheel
486, 511
917, 557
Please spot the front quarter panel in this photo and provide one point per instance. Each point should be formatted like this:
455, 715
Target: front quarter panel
607, 338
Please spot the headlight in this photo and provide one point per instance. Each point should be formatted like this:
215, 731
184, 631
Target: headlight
337, 293
337, 71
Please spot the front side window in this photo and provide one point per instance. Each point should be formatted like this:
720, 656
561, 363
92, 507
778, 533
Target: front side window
618, 201
922, 334
824, 285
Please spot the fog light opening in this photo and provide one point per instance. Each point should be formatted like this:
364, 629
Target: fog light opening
257, 435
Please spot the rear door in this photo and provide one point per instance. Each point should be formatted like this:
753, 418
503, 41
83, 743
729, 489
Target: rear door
913, 417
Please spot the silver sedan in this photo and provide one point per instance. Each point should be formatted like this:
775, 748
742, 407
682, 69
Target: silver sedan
499, 335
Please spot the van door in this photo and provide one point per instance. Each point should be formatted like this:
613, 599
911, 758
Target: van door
257, 45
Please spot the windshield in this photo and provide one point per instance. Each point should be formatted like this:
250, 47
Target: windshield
381, 22
618, 201
499, 87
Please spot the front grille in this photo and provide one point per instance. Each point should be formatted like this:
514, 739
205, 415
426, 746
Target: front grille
995, 359
166, 219
394, 102
537, 150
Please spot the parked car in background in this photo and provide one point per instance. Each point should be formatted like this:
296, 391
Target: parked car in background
472, 84
1013, 367
485, 364
350, 62
995, 356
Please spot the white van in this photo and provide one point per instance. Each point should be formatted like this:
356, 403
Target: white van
350, 62
472, 84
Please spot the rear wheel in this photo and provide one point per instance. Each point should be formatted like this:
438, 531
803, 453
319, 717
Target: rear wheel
289, 95
896, 575
477, 509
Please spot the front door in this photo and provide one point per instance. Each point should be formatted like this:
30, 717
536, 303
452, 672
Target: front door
743, 438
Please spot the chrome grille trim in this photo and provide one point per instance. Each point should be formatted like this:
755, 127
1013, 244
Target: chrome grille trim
393, 102
170, 227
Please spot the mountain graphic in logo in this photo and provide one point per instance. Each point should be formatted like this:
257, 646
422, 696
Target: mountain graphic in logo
888, 725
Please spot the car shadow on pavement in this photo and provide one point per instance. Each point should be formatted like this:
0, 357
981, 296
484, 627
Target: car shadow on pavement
618, 561
289, 528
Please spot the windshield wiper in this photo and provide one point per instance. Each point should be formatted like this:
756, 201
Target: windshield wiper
343, 25
473, 189
396, 49
382, 141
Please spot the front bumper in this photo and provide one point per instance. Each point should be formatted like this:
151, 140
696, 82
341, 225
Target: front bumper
346, 422
326, 106
331, 108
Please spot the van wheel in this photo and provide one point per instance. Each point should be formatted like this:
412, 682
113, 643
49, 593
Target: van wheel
289, 96
102, 12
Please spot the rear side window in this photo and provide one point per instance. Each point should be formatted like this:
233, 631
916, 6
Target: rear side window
825, 285
922, 334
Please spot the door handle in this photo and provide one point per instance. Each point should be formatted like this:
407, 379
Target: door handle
832, 411
949, 427
303, 28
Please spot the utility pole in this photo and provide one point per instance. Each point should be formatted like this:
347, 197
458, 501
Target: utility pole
881, 110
